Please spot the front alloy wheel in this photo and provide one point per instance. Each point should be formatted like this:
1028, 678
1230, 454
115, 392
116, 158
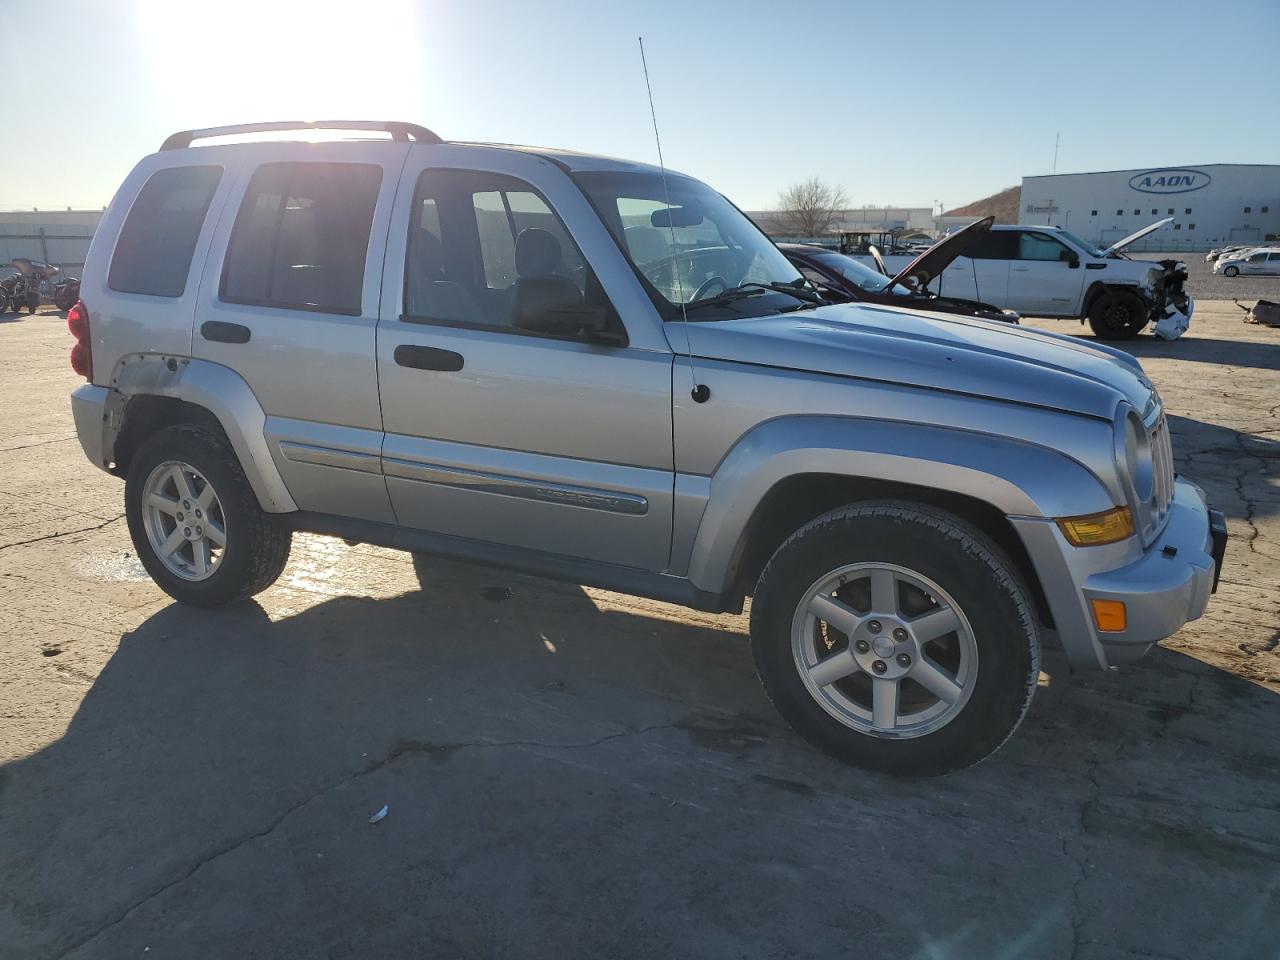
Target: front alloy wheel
896, 636
884, 650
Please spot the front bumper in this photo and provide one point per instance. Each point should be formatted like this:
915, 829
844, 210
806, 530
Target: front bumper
1163, 587
1170, 585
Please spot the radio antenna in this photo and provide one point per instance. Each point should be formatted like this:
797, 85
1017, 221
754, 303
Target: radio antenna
700, 392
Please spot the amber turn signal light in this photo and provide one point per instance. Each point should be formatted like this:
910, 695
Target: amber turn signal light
1109, 615
1097, 529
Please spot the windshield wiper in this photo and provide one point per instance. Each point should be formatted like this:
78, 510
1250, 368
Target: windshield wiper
725, 297
793, 289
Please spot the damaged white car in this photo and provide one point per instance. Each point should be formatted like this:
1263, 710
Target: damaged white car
1050, 272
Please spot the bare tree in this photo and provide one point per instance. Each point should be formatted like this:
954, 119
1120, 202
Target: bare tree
810, 208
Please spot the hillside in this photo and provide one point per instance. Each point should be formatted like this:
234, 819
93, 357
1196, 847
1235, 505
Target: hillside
1003, 206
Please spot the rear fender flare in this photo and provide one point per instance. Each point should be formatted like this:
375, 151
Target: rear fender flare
216, 388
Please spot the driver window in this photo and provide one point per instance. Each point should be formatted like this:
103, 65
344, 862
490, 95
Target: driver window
486, 250
1036, 246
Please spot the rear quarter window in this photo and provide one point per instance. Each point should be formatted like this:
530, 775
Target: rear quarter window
153, 253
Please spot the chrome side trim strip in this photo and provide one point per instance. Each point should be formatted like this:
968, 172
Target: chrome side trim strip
543, 490
329, 457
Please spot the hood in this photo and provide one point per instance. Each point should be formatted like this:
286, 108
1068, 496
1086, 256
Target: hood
929, 350
938, 257
1136, 235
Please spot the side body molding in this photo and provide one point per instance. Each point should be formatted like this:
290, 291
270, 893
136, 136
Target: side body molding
1016, 477
222, 392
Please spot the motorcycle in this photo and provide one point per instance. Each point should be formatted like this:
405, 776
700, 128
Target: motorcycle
31, 276
66, 292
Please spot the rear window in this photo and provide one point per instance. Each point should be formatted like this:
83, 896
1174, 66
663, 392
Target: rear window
301, 237
153, 254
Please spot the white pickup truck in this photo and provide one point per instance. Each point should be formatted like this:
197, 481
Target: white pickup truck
1049, 272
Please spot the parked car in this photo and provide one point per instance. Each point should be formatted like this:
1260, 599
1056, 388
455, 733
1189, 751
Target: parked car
842, 278
1213, 255
1252, 261
1049, 272
603, 372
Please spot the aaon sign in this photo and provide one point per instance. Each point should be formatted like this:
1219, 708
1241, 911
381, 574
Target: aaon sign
1174, 180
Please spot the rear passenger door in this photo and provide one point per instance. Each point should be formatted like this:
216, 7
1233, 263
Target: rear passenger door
497, 431
291, 305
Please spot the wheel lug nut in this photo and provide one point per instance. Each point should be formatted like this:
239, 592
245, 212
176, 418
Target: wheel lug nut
898, 634
862, 646
904, 660
879, 666
186, 531
199, 531
179, 514
874, 626
186, 504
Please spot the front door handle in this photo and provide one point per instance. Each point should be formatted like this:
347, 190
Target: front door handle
427, 358
224, 332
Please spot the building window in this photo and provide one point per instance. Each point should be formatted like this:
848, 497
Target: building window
1266, 209
1094, 213
1170, 211
1248, 209
1177, 226
1188, 210
1154, 211
1137, 212
1191, 226
1119, 213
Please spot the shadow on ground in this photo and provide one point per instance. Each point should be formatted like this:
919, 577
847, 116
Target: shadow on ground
564, 780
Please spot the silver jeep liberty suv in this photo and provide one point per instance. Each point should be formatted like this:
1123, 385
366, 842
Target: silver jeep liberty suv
592, 370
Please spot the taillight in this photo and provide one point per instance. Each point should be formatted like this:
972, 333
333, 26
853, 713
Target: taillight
81, 354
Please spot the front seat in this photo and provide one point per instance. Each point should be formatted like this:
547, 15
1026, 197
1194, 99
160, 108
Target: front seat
429, 294
539, 287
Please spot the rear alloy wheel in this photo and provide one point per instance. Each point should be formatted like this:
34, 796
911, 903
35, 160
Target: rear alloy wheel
195, 521
1117, 315
1231, 272
896, 637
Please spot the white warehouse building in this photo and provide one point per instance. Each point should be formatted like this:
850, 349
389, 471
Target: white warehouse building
1211, 205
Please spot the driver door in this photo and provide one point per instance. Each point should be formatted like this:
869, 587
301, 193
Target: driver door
497, 432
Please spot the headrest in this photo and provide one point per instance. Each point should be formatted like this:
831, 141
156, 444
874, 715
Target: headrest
429, 255
537, 253
646, 244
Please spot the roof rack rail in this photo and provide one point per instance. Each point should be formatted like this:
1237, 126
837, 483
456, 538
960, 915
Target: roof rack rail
397, 129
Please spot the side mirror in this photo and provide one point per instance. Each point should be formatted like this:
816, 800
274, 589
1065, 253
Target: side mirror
589, 322
1069, 258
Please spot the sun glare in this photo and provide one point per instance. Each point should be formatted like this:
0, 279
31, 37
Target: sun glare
246, 60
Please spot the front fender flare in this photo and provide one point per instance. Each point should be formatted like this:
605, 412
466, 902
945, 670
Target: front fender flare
222, 392
1019, 479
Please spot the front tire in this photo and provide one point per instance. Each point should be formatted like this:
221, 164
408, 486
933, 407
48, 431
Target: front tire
1231, 272
896, 637
1117, 315
195, 521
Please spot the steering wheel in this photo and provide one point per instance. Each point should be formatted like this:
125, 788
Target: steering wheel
706, 287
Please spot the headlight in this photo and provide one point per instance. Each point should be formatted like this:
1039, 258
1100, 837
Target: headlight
1134, 458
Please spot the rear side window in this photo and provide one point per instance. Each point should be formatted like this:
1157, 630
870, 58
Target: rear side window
994, 245
153, 253
301, 237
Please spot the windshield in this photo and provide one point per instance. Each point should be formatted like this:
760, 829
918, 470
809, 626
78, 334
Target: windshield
865, 277
1090, 248
698, 248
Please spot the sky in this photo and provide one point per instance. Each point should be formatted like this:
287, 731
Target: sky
906, 104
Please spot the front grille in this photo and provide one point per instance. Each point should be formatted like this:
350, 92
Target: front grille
1162, 491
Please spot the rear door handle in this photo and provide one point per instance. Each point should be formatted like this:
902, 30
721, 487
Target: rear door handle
427, 358
224, 332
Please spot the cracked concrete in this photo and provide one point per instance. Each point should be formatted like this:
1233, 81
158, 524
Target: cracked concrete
575, 773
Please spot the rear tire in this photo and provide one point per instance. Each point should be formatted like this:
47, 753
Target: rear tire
1117, 315
827, 683
255, 544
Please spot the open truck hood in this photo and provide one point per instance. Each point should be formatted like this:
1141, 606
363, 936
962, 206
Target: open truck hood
927, 350
1136, 235
938, 257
